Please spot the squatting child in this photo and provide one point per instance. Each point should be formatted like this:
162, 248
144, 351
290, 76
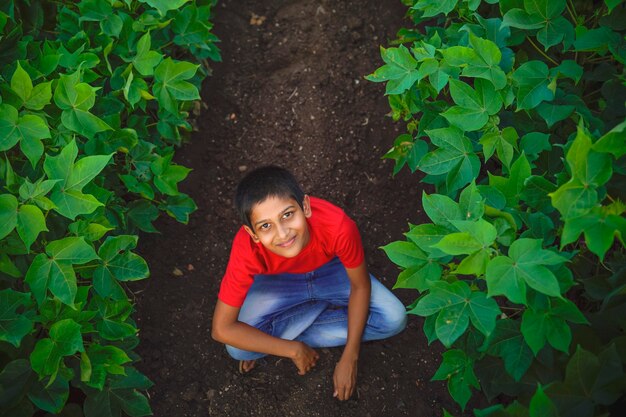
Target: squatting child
297, 280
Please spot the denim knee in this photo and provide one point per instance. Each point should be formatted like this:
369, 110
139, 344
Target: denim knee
395, 319
390, 320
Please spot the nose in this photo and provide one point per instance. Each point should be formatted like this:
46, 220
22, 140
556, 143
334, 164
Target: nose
282, 231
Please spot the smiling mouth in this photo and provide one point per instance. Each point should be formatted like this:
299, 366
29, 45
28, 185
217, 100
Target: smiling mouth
287, 243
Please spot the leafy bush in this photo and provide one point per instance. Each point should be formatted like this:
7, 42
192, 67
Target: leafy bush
514, 113
94, 96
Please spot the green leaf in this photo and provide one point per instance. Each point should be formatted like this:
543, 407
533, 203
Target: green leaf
509, 276
535, 142
574, 199
454, 156
513, 186
458, 244
60, 167
38, 276
146, 60
426, 235
163, 6
167, 176
568, 68
419, 277
458, 370
472, 203
105, 360
541, 405
611, 4
8, 214
8, 267
15, 381
72, 203
483, 312
399, 69
466, 119
118, 263
434, 7
441, 209
455, 305
114, 245
614, 142
521, 19
170, 85
480, 230
536, 193
65, 339
547, 9
21, 83
86, 169
52, 396
30, 191
141, 214
76, 99
532, 79
539, 327
600, 231
30, 222
554, 31
180, 207
405, 254
595, 40
120, 394
504, 143
90, 231
13, 325
40, 96
590, 380
474, 264
83, 122
529, 252
587, 166
71, 249
487, 64
28, 130
508, 343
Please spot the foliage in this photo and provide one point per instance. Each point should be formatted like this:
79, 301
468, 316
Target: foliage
94, 96
514, 113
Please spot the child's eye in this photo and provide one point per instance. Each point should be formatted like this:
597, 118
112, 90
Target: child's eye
287, 215
264, 226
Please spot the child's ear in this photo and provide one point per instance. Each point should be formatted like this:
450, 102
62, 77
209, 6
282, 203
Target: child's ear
306, 206
251, 233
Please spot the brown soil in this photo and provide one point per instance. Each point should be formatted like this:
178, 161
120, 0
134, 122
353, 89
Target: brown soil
290, 92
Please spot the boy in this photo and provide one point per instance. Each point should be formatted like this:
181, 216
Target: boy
296, 280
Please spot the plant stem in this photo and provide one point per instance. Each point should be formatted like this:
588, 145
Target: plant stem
541, 52
572, 11
592, 93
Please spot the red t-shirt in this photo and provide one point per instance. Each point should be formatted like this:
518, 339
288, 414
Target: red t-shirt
332, 233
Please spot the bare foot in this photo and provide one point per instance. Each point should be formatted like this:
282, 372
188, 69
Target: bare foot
246, 366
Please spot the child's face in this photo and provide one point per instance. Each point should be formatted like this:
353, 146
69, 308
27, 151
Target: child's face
279, 224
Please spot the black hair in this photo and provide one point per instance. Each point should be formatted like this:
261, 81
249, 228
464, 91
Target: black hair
264, 182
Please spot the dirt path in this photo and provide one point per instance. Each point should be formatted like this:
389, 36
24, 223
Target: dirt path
291, 92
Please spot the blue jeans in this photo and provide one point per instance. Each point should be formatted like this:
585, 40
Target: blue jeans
313, 308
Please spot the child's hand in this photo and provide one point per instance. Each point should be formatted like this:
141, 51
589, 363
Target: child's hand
305, 358
344, 378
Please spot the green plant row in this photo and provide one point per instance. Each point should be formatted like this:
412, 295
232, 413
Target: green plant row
515, 115
94, 96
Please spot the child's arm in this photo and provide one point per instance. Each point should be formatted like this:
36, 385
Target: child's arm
358, 307
227, 329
